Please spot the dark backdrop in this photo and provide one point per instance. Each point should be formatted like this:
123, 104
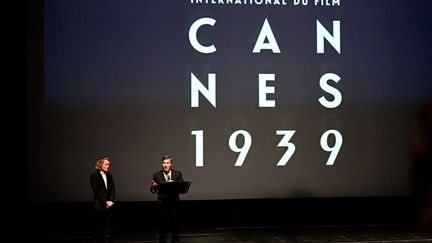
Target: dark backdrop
107, 77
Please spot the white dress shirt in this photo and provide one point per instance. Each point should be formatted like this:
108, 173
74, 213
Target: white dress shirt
105, 179
168, 176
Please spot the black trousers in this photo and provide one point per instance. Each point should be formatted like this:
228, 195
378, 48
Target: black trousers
168, 219
103, 225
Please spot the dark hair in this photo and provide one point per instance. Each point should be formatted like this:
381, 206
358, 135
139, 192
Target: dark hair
100, 161
167, 157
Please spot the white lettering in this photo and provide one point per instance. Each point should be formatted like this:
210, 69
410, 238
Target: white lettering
329, 89
197, 86
266, 32
193, 35
334, 39
263, 90
327, 2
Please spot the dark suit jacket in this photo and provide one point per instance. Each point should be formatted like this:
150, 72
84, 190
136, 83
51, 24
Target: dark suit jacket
159, 178
101, 193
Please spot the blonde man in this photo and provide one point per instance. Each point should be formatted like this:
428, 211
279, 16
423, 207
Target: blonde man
102, 184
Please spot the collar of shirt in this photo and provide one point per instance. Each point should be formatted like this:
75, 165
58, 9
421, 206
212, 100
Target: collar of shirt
103, 173
167, 175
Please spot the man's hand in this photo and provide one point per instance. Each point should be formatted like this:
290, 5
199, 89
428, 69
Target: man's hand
154, 184
109, 204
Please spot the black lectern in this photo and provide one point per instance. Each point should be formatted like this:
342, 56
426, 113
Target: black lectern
174, 187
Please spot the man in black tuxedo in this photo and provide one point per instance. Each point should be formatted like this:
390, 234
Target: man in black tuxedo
167, 203
102, 184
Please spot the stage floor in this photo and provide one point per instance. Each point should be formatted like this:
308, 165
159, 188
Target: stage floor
370, 234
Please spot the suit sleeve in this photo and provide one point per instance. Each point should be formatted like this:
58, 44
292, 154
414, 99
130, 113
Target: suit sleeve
180, 176
154, 189
96, 190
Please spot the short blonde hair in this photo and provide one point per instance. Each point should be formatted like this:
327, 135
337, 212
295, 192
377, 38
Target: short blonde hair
100, 161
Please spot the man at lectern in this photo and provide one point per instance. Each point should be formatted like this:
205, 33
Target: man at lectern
167, 203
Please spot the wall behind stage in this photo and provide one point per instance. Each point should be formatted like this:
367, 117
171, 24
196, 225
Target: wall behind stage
126, 79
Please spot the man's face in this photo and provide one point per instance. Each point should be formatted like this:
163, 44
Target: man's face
166, 165
105, 165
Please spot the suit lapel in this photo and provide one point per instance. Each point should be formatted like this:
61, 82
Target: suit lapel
173, 175
102, 180
108, 176
162, 176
